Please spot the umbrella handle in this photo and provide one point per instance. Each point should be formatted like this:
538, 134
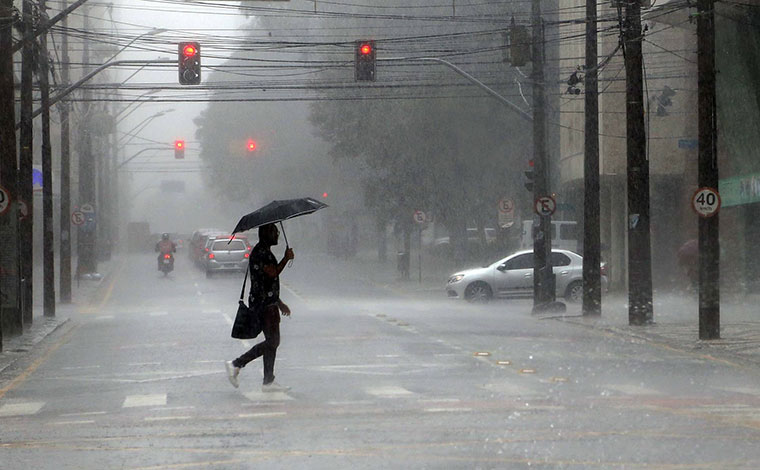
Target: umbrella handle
287, 245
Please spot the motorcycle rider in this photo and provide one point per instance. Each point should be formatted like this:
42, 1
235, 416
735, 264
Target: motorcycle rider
165, 246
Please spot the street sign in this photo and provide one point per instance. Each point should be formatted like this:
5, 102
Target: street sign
77, 217
23, 210
87, 208
706, 202
545, 205
5, 200
506, 206
419, 217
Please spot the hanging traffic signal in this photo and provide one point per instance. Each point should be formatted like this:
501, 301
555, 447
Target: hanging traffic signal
179, 149
189, 61
364, 61
530, 177
250, 145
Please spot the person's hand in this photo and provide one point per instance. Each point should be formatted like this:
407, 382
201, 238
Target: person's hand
289, 255
284, 309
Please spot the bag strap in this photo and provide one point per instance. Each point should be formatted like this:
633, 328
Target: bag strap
242, 292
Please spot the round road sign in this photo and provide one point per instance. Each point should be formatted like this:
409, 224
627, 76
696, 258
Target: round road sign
5, 200
419, 217
545, 205
506, 206
77, 217
706, 202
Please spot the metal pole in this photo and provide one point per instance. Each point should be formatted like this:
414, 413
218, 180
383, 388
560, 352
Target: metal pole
419, 253
65, 202
709, 241
544, 293
28, 38
592, 292
26, 158
48, 258
640, 311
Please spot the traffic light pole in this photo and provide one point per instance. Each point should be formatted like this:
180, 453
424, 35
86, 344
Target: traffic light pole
26, 152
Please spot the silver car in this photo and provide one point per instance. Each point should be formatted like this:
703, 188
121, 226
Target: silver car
513, 277
223, 254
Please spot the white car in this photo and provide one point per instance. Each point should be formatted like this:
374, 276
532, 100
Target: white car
513, 277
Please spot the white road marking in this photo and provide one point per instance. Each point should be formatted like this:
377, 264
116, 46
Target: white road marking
144, 364
166, 418
80, 367
133, 401
440, 400
168, 408
388, 355
21, 409
350, 402
447, 410
262, 415
148, 345
629, 389
389, 392
104, 317
67, 423
158, 314
742, 390
267, 396
89, 413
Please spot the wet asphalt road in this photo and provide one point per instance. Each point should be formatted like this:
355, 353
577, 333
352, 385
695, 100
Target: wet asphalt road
379, 380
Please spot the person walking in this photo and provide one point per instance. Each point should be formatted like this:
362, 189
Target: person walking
264, 297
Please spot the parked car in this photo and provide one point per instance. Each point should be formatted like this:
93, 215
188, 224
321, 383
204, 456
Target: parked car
513, 277
222, 254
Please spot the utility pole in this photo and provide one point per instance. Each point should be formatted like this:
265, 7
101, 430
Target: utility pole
26, 159
87, 262
592, 288
65, 202
709, 242
640, 310
48, 255
10, 316
544, 294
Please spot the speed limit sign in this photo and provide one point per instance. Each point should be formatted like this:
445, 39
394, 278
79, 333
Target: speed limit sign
706, 202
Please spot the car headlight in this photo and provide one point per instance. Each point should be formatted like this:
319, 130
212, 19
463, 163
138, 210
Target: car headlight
456, 278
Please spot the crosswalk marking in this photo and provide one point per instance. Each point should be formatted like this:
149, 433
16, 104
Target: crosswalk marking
272, 414
167, 418
158, 314
629, 389
68, 423
267, 396
448, 410
134, 401
21, 409
389, 392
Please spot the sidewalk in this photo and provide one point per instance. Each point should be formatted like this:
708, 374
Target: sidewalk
15, 347
676, 314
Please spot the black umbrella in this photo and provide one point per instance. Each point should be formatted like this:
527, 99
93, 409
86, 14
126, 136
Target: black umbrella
277, 211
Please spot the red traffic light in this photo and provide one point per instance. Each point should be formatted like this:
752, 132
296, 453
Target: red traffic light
189, 50
250, 145
179, 144
365, 49
324, 195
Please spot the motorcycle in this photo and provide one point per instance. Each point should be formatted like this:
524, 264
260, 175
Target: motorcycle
166, 263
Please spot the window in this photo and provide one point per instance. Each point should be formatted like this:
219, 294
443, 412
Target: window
560, 259
520, 262
235, 245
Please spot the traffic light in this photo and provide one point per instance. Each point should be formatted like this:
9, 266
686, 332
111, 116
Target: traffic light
519, 45
364, 61
250, 145
189, 61
530, 177
179, 149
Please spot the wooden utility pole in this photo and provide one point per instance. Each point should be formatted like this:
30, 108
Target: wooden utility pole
709, 242
640, 310
592, 287
65, 201
9, 276
544, 294
26, 159
48, 255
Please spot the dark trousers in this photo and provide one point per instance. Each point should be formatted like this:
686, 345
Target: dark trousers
268, 348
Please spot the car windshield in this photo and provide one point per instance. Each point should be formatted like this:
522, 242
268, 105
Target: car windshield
227, 245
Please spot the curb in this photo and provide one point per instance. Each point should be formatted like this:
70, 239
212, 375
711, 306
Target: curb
15, 348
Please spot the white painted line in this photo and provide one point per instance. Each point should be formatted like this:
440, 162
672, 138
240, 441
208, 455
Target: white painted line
148, 345
447, 410
389, 392
169, 408
267, 396
89, 413
158, 314
104, 317
144, 364
80, 367
388, 355
134, 401
350, 402
632, 389
67, 423
440, 400
167, 418
21, 409
272, 414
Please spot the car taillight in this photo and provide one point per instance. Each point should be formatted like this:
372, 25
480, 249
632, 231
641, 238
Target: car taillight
210, 256
246, 255
167, 256
206, 250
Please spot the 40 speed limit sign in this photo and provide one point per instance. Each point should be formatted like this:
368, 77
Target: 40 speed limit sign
706, 202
